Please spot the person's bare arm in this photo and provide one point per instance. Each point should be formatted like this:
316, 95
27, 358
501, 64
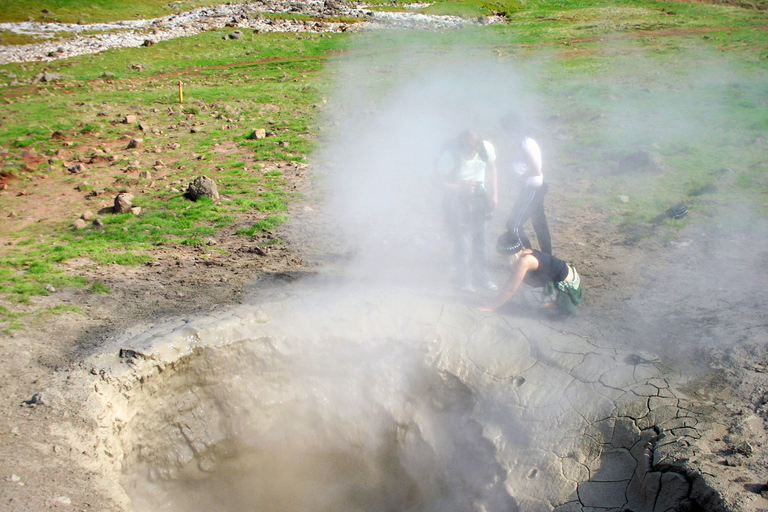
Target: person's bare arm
521, 268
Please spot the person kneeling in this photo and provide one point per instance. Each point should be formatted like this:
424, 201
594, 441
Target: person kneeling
537, 269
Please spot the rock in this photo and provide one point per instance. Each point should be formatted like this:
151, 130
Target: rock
148, 42
236, 34
136, 143
641, 160
87, 216
130, 119
136, 211
203, 186
624, 199
78, 224
143, 126
137, 67
98, 223
37, 399
78, 167
108, 74
123, 202
258, 133
145, 175
46, 76
50, 287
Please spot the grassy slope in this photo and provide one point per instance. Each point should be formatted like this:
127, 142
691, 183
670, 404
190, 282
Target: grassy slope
611, 67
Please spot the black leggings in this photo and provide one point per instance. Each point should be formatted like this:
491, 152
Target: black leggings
530, 205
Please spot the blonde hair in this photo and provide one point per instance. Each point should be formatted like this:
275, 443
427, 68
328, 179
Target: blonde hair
514, 258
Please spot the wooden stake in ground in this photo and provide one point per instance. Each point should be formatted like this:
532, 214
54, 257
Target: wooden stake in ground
181, 93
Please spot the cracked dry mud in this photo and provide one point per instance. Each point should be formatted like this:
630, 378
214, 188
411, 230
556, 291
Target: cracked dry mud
393, 398
324, 393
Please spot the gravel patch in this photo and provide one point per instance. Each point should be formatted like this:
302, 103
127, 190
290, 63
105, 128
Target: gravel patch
98, 37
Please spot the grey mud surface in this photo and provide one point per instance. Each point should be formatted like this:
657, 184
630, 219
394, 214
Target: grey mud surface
333, 396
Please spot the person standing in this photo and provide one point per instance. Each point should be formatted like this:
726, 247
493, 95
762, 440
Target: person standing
530, 189
466, 169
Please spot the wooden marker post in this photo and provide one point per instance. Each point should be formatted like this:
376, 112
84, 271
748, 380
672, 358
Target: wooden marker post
181, 93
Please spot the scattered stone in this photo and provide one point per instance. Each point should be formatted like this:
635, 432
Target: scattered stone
236, 34
136, 211
130, 119
78, 167
57, 135
108, 74
709, 188
98, 223
143, 126
46, 77
148, 42
641, 160
136, 143
145, 175
50, 288
624, 199
137, 67
123, 202
203, 186
258, 133
78, 224
87, 215
37, 399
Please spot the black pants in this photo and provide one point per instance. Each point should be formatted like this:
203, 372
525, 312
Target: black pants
530, 205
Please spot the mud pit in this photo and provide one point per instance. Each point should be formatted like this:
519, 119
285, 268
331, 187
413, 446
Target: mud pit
395, 401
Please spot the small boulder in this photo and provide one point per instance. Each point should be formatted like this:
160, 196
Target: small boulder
123, 202
203, 186
236, 34
258, 133
78, 224
87, 216
130, 119
136, 143
136, 211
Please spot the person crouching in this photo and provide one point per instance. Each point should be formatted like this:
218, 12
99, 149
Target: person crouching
559, 279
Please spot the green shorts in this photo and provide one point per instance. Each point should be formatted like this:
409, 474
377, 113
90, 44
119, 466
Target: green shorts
568, 294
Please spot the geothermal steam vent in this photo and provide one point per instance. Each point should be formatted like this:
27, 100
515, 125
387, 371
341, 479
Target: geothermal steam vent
389, 403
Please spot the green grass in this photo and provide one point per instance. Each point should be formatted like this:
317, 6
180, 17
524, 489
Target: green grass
609, 71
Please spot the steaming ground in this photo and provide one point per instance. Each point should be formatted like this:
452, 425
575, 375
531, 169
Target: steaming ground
376, 386
381, 388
